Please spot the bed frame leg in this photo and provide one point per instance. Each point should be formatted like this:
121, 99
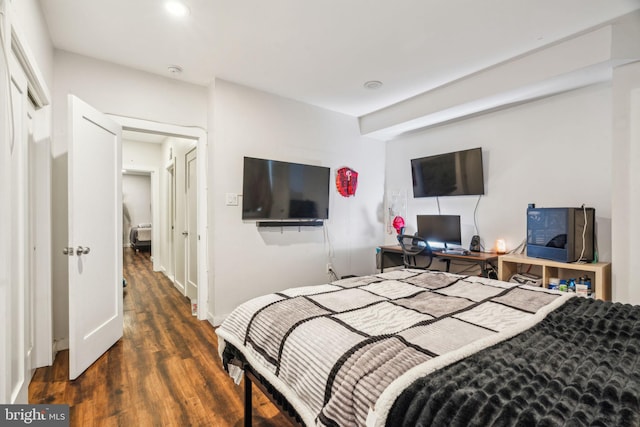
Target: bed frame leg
247, 402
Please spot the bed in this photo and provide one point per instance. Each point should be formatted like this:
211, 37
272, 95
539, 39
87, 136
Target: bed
140, 237
412, 347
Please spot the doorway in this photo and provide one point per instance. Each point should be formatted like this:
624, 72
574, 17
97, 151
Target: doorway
136, 210
141, 186
165, 259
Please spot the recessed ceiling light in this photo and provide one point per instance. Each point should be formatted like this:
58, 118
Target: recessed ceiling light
177, 8
373, 84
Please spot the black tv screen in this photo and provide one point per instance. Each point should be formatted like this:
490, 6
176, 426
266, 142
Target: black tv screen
275, 190
451, 174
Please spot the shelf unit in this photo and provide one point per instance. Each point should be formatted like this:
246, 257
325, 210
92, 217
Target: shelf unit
599, 271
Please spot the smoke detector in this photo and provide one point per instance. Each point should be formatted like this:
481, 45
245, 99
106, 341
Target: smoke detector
373, 84
174, 69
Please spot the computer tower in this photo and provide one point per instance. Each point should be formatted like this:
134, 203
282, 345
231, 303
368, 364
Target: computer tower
561, 234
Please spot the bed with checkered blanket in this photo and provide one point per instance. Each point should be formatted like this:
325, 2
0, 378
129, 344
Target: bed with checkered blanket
344, 353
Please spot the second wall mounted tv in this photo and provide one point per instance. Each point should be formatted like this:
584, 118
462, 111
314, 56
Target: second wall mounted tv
458, 173
275, 190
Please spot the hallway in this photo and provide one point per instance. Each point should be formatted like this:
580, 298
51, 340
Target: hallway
164, 371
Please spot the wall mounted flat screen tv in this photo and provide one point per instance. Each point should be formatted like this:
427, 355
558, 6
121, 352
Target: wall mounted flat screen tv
451, 174
275, 190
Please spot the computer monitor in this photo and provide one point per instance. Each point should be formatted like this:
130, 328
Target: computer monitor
440, 228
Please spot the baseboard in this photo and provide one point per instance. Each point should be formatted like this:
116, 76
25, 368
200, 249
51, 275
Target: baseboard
179, 286
167, 275
60, 344
210, 319
216, 320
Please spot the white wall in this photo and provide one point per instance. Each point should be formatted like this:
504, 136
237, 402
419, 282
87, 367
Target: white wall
552, 152
136, 203
111, 89
123, 91
137, 154
626, 179
28, 18
246, 261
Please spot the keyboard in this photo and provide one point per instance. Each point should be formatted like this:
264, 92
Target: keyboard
455, 252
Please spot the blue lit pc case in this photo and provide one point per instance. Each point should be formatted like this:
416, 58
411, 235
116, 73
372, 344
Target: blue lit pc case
561, 234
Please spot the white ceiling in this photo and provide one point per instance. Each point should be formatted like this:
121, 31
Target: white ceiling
322, 52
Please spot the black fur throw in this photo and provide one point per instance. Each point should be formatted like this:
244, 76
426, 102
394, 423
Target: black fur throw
580, 366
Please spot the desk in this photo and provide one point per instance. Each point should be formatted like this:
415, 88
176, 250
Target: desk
391, 256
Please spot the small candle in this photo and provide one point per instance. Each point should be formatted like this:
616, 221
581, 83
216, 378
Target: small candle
501, 246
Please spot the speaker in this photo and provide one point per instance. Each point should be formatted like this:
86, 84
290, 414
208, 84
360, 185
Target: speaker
475, 244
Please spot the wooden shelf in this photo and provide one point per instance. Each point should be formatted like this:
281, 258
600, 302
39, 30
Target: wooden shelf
601, 272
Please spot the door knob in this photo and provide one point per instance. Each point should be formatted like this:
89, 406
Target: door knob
82, 250
67, 251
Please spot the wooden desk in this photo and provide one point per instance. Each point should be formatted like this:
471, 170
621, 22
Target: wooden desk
391, 256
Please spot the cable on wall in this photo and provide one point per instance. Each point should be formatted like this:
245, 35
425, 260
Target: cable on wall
329, 250
475, 216
595, 244
584, 232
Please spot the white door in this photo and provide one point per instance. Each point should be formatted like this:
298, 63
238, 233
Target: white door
171, 222
6, 207
95, 235
191, 246
16, 369
40, 221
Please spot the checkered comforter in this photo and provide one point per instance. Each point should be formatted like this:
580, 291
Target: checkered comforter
341, 353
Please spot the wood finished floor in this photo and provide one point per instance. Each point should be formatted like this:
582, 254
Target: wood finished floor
165, 371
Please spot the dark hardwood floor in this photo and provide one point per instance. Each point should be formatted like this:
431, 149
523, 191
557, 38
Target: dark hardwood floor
164, 371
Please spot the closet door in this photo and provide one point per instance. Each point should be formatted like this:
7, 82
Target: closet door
5, 228
18, 327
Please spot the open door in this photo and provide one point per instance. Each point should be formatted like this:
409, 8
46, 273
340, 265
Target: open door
191, 248
95, 235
